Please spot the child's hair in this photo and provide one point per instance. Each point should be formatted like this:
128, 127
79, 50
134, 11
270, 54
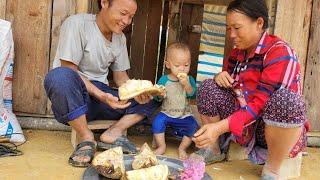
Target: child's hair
178, 46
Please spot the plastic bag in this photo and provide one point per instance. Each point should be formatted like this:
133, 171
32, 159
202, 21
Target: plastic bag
9, 125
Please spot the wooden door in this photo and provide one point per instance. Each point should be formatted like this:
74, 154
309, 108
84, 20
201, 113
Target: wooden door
312, 75
31, 22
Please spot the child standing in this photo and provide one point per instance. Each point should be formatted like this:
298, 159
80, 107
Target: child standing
176, 111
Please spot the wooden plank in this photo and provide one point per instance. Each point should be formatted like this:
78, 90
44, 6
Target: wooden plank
83, 6
292, 25
152, 40
94, 7
312, 83
31, 22
163, 41
60, 11
173, 19
138, 40
3, 4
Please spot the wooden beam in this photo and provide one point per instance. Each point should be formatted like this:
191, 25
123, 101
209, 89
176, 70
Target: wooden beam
312, 83
3, 4
292, 25
31, 22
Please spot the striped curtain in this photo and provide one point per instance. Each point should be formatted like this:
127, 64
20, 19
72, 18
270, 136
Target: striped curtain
212, 42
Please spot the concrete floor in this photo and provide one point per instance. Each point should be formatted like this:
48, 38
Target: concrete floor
46, 154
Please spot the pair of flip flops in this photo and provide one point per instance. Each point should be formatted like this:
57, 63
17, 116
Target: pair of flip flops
6, 151
127, 146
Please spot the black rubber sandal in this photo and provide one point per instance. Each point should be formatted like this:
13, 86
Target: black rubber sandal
83, 152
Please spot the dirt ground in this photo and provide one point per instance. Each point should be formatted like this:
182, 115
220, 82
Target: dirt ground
46, 154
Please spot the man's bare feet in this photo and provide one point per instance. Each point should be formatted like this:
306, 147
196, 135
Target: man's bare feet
110, 135
182, 154
160, 150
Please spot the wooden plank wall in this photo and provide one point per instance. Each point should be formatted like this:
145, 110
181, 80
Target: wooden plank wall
152, 40
292, 25
3, 4
312, 83
138, 40
145, 40
31, 22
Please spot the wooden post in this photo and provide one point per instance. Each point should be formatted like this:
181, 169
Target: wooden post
312, 83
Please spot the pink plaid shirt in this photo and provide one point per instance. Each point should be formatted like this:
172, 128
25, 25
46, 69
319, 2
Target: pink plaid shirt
271, 66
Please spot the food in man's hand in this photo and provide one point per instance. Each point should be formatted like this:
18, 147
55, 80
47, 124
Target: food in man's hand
158, 172
134, 87
182, 75
110, 163
146, 158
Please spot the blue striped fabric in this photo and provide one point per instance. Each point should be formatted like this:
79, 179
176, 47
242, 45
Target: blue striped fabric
212, 42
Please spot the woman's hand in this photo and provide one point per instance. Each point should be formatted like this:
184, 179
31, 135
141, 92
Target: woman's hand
223, 79
114, 102
143, 98
208, 134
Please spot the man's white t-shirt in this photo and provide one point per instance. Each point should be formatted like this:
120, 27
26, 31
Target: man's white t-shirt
82, 43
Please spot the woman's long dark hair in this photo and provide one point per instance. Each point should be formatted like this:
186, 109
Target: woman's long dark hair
251, 8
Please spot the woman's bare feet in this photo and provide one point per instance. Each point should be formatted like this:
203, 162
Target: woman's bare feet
182, 154
160, 150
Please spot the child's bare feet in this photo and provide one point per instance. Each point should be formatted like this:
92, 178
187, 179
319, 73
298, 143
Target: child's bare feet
182, 154
154, 143
160, 150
